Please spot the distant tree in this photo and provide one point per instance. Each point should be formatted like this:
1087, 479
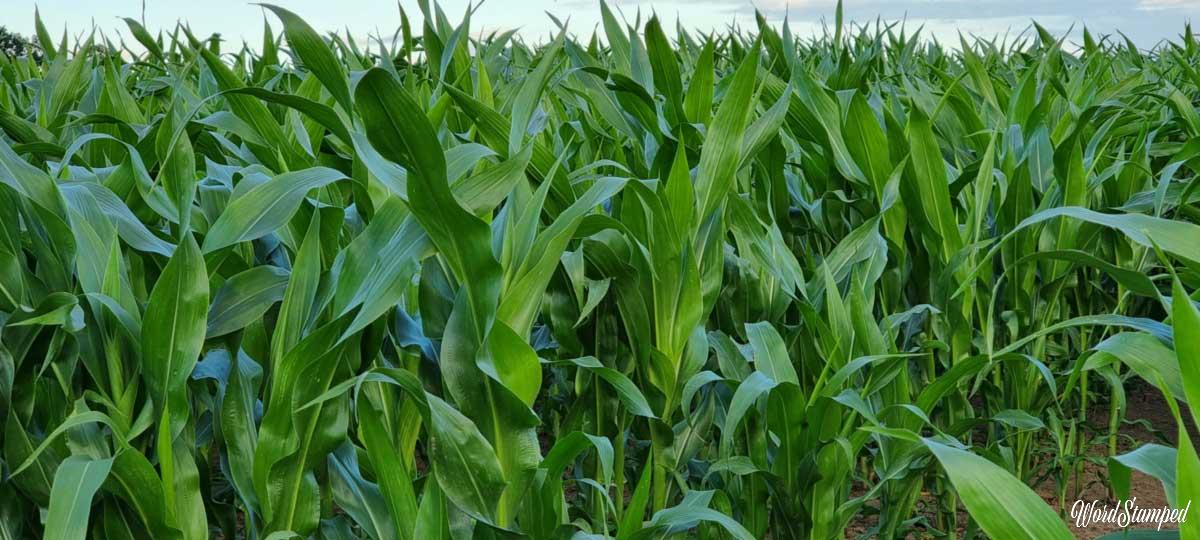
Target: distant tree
13, 44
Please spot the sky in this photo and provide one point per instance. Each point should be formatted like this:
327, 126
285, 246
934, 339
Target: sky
1147, 22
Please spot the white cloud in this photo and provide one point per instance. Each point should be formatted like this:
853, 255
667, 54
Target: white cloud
1154, 5
782, 5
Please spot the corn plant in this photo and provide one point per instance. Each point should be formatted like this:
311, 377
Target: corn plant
640, 284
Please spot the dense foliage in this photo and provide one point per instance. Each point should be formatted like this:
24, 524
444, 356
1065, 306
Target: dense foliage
13, 44
446, 285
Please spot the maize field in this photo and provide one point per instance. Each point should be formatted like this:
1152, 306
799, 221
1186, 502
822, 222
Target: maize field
633, 282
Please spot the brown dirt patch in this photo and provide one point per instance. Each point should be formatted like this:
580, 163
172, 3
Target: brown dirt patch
1147, 419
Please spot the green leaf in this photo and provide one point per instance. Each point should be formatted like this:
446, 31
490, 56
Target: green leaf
928, 171
1185, 319
464, 463
770, 354
1148, 357
631, 398
244, 298
721, 152
174, 327
315, 53
75, 483
1003, 506
395, 482
266, 207
361, 499
1154, 460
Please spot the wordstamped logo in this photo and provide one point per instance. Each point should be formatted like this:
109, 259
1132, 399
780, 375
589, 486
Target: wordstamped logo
1127, 513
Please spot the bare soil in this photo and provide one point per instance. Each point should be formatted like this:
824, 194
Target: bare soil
1147, 419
